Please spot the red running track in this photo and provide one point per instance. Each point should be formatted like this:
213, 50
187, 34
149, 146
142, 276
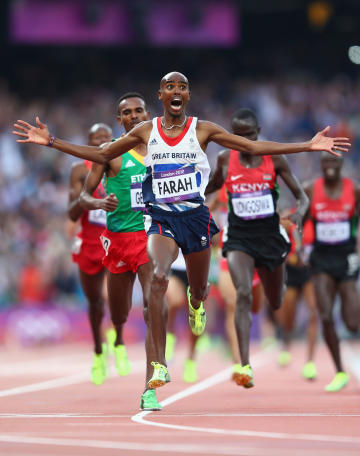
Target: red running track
49, 407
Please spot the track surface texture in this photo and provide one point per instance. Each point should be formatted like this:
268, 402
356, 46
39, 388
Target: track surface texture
50, 407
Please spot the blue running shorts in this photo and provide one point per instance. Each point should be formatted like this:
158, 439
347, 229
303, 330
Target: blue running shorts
192, 230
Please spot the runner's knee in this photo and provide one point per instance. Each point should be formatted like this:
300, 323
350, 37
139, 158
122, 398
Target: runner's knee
146, 315
159, 281
243, 297
96, 306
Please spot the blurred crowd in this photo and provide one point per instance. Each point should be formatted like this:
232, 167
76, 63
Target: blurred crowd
35, 260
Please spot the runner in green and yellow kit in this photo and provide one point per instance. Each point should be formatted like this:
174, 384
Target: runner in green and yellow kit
124, 239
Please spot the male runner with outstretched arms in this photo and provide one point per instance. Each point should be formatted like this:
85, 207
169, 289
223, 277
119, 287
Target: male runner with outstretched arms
173, 190
124, 239
334, 207
254, 237
88, 250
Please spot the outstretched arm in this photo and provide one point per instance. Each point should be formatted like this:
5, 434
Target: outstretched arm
92, 181
208, 131
40, 135
282, 168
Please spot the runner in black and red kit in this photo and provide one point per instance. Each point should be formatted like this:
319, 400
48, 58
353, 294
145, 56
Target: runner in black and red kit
254, 238
334, 261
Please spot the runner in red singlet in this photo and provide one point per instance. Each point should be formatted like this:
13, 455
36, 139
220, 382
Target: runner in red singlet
254, 237
334, 261
87, 250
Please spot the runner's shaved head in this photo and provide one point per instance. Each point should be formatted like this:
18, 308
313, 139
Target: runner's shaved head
98, 126
173, 76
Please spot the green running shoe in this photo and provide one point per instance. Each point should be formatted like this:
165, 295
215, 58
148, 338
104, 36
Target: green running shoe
243, 375
339, 382
160, 376
110, 339
197, 317
309, 371
284, 358
149, 401
190, 372
99, 368
170, 345
122, 361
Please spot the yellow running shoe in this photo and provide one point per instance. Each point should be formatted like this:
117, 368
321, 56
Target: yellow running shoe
110, 339
170, 345
149, 401
197, 317
160, 376
99, 367
122, 361
243, 375
190, 372
309, 371
339, 382
284, 358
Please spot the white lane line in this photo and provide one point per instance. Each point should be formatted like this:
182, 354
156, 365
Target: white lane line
221, 449
81, 377
258, 361
168, 415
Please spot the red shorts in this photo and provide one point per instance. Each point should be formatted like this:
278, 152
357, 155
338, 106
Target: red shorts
225, 267
124, 251
88, 255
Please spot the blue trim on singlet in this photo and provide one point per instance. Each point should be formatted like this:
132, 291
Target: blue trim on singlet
168, 166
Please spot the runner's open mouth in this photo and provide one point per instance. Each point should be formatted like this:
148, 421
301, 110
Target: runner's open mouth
176, 103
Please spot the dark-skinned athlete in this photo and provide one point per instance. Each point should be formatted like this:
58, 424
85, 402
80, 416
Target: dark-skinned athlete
88, 251
254, 237
298, 284
124, 239
334, 206
173, 191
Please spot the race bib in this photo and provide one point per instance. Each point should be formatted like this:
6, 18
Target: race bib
137, 202
175, 185
333, 232
97, 217
253, 205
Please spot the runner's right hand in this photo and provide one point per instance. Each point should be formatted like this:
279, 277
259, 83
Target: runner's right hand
37, 135
110, 203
